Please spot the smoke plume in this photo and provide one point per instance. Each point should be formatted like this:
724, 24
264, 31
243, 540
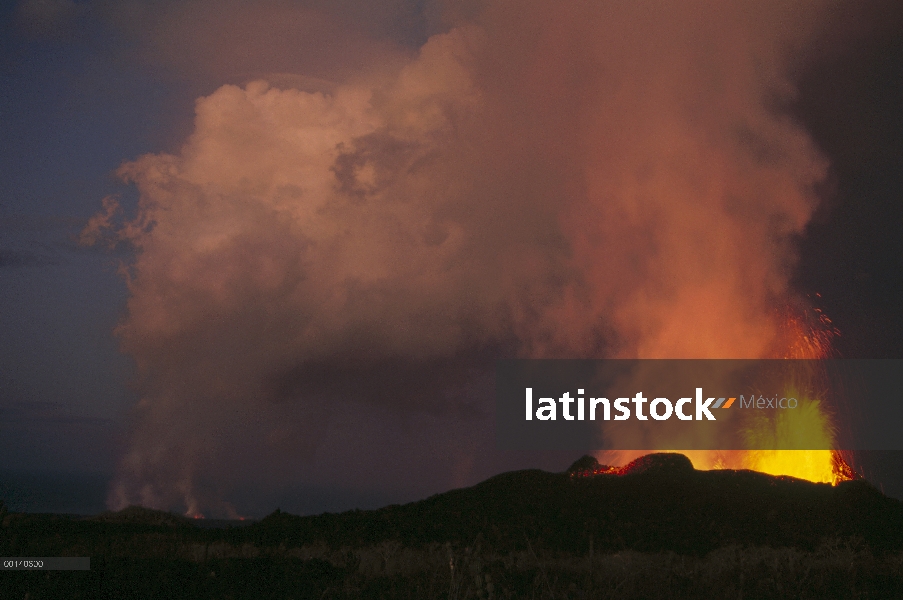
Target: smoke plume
544, 179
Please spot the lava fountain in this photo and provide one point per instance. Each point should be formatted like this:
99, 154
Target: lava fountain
802, 336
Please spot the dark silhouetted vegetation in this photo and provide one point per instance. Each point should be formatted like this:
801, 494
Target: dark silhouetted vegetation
660, 530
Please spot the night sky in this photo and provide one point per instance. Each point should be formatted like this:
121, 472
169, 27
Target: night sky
260, 254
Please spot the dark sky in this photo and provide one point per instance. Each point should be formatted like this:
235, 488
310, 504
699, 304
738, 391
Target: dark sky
851, 254
323, 268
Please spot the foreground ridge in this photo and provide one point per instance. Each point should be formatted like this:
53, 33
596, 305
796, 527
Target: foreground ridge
656, 528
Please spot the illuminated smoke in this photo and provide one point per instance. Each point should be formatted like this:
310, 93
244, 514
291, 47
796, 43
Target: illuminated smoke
550, 179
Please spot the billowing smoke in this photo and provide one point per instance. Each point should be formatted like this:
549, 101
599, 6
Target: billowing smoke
545, 179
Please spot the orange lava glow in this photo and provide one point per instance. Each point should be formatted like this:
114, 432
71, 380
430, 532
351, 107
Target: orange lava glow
801, 336
805, 338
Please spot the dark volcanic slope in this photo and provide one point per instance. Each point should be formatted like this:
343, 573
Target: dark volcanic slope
660, 504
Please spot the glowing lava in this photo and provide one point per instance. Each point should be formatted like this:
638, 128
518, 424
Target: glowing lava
812, 426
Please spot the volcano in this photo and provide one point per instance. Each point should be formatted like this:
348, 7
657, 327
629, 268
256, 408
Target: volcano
655, 528
656, 503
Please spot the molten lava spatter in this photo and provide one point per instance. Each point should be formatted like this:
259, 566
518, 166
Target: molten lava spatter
841, 468
786, 460
671, 462
803, 335
807, 335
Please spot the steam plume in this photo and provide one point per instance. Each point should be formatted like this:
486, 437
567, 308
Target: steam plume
549, 179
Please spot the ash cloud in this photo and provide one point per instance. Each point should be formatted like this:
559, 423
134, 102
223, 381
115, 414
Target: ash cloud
564, 179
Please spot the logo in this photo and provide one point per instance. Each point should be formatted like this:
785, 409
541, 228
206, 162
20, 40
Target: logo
659, 409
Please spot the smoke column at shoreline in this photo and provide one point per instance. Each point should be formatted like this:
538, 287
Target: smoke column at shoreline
565, 179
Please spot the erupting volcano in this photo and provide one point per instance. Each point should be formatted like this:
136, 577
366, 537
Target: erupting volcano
321, 270
803, 335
